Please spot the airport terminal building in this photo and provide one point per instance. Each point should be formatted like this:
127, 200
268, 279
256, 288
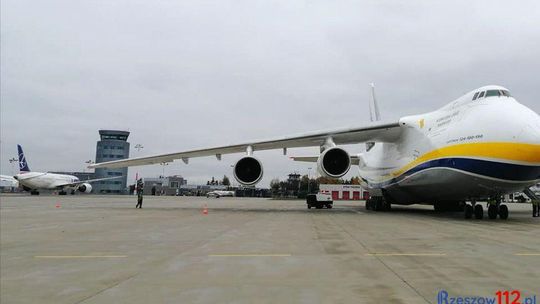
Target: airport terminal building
113, 145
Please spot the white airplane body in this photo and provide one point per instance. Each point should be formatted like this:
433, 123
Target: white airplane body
34, 181
478, 148
481, 146
220, 193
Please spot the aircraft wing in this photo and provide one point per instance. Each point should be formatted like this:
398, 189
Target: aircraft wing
73, 184
377, 131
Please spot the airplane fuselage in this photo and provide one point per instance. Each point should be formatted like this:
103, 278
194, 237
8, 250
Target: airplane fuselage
469, 149
44, 180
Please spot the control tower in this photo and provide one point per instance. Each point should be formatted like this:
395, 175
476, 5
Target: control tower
113, 145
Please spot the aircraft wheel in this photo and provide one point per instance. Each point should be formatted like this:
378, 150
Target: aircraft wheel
377, 205
468, 211
309, 206
478, 212
62, 193
492, 211
329, 206
503, 212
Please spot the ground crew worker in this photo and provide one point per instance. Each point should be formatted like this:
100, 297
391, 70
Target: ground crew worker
139, 188
536, 208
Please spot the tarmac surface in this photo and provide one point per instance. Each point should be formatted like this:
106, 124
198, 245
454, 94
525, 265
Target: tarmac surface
100, 249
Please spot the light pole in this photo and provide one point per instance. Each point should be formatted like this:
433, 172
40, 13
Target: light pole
138, 147
164, 164
308, 180
11, 161
88, 162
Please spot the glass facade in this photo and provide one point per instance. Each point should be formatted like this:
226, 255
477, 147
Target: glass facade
113, 145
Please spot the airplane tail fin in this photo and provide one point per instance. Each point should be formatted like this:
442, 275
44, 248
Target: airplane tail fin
23, 165
374, 114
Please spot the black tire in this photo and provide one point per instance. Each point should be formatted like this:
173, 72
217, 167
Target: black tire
378, 205
492, 211
503, 212
468, 211
309, 206
478, 212
329, 206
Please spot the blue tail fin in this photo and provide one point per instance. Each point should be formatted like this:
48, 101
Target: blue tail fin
23, 165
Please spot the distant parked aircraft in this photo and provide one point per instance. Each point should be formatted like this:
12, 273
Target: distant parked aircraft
34, 181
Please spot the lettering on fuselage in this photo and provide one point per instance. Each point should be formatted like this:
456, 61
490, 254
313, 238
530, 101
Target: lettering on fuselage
446, 119
465, 138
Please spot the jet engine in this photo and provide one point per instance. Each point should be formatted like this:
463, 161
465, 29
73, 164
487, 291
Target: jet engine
248, 171
334, 162
85, 188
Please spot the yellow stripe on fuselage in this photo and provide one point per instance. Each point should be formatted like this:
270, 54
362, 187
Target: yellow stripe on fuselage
529, 153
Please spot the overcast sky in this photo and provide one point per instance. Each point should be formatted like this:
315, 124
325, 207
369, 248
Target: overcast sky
188, 74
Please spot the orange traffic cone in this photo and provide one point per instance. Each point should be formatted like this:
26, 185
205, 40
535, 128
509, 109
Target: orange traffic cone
205, 210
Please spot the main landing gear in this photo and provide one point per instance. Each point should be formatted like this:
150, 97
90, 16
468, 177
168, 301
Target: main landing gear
378, 203
34, 192
494, 208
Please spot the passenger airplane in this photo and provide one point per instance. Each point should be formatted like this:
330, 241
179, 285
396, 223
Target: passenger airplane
481, 146
220, 193
34, 181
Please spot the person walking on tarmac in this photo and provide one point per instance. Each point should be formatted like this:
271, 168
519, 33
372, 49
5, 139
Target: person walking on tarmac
139, 189
536, 208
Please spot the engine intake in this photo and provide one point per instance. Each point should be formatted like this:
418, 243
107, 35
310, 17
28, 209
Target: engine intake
248, 171
334, 163
85, 188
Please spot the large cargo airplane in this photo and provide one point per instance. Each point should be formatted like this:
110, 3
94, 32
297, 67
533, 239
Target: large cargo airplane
34, 181
481, 146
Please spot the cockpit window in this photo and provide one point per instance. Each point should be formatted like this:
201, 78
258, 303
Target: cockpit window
490, 93
475, 96
505, 93
481, 94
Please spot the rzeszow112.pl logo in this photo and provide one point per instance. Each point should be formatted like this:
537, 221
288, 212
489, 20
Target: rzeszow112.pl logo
501, 297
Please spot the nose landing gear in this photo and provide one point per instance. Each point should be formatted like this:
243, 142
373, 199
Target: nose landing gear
378, 203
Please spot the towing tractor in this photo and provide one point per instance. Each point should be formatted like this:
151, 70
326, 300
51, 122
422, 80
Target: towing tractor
319, 201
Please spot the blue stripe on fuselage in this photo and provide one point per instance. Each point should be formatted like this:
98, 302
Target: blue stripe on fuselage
494, 169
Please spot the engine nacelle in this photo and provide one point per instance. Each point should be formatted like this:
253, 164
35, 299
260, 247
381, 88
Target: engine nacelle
248, 171
85, 188
334, 162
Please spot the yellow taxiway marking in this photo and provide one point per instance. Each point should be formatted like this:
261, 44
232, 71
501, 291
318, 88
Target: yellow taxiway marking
527, 254
249, 255
405, 254
78, 256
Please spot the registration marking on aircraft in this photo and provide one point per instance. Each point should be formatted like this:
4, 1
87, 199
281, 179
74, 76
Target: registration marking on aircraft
405, 254
250, 255
78, 256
